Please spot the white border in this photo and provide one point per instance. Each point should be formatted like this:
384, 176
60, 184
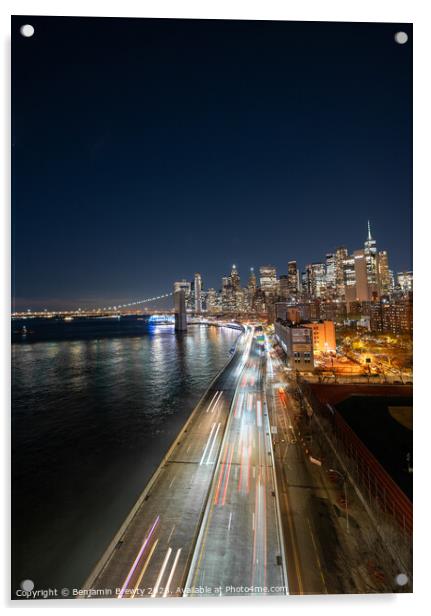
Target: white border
313, 10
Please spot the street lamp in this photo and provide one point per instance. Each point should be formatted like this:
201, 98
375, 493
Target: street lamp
344, 478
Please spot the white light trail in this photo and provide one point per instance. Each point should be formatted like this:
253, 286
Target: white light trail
162, 571
171, 575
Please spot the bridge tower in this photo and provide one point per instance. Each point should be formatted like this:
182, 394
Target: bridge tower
180, 310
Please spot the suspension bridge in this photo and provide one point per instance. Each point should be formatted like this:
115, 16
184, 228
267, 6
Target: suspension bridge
155, 305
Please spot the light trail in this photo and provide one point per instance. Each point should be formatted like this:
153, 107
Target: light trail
259, 413
209, 406
212, 446
161, 573
171, 575
144, 568
137, 559
207, 445
216, 402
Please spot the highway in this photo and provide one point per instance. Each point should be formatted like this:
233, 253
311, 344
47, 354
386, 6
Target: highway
239, 549
151, 554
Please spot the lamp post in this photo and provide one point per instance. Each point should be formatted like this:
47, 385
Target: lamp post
344, 478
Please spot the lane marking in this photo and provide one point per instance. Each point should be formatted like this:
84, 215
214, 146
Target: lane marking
171, 533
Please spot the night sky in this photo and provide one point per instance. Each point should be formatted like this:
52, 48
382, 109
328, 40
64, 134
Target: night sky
146, 150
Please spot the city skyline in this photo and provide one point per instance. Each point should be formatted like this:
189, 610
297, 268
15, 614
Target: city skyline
194, 161
218, 284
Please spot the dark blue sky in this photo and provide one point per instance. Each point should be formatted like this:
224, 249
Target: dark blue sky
146, 150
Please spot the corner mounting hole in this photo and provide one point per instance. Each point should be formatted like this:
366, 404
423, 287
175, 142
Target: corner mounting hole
401, 38
27, 30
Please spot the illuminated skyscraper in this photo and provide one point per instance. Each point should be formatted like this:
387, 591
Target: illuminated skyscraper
330, 267
293, 279
268, 278
341, 254
235, 280
370, 254
405, 282
361, 277
384, 276
284, 286
198, 293
318, 280
252, 281
349, 278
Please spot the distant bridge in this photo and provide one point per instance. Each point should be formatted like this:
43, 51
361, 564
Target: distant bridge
125, 308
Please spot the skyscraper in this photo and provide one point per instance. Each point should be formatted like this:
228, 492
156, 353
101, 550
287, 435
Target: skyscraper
293, 279
268, 278
361, 277
198, 294
284, 287
341, 254
235, 279
384, 276
318, 280
252, 287
370, 254
349, 278
330, 267
252, 280
405, 281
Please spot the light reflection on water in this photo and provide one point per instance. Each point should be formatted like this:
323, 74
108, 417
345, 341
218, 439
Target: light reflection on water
91, 419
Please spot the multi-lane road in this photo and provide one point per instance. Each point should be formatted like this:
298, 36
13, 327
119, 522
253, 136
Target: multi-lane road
240, 549
209, 514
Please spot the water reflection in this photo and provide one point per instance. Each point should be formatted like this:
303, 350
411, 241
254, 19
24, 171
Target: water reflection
91, 419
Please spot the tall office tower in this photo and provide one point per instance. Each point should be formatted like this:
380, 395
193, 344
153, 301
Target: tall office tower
252, 284
235, 280
225, 282
284, 286
341, 254
384, 276
318, 280
361, 275
306, 282
330, 271
349, 279
405, 282
392, 281
180, 310
211, 301
198, 293
293, 279
252, 287
370, 254
268, 279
